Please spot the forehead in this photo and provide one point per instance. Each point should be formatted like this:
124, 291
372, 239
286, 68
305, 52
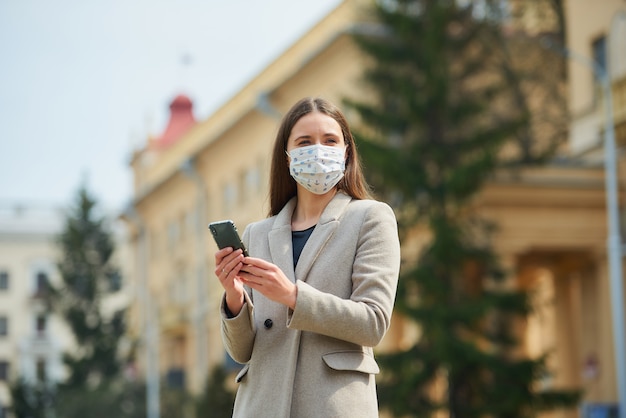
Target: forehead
315, 123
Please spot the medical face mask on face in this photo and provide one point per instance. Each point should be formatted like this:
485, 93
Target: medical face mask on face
318, 168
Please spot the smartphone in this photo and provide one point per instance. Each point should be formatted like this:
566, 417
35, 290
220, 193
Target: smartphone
226, 235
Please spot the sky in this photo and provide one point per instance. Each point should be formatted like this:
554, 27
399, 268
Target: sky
84, 83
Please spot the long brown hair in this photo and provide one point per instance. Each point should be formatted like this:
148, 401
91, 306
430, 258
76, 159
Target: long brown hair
282, 185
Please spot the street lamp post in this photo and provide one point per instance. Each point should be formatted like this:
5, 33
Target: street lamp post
151, 337
202, 294
614, 241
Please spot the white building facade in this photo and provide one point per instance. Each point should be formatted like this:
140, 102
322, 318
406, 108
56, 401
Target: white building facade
32, 339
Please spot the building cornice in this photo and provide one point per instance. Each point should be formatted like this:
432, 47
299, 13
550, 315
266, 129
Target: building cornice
552, 186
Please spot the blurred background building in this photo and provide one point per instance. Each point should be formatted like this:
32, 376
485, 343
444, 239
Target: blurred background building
32, 340
552, 219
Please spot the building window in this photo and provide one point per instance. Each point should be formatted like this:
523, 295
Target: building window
230, 198
41, 370
183, 227
190, 220
4, 371
4, 326
157, 242
253, 181
173, 235
242, 188
175, 378
149, 244
42, 284
497, 11
115, 281
4, 280
41, 323
598, 49
179, 288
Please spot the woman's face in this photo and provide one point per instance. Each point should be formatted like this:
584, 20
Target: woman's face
315, 128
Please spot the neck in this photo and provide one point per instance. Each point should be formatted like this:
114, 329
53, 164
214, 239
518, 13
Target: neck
309, 208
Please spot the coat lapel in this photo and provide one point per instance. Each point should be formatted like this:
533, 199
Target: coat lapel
328, 223
280, 242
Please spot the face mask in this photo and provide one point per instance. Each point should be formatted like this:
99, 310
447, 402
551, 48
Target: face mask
318, 168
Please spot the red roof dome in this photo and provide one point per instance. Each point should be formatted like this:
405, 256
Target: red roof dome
181, 119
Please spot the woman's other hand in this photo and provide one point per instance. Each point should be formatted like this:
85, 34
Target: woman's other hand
269, 280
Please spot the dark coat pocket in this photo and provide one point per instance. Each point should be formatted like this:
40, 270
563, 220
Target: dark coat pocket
351, 360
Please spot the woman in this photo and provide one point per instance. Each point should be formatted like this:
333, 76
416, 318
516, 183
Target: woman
316, 294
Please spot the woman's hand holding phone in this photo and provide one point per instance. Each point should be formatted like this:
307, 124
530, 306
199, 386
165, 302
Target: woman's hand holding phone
234, 269
228, 263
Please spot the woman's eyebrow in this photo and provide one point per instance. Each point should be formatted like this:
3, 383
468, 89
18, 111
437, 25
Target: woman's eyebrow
324, 135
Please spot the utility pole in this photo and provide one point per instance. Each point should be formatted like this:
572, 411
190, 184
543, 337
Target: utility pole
202, 292
150, 327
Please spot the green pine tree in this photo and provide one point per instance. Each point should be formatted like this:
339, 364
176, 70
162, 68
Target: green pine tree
94, 385
87, 273
31, 400
217, 399
535, 77
440, 113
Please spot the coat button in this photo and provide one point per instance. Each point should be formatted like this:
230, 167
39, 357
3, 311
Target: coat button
268, 323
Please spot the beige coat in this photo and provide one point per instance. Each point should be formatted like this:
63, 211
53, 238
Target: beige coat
317, 360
